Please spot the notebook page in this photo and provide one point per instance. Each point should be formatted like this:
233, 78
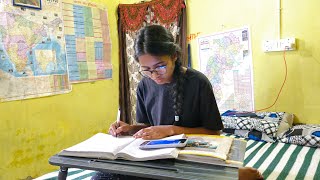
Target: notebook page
134, 153
98, 145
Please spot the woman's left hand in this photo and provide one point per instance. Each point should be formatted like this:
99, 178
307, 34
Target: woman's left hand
154, 132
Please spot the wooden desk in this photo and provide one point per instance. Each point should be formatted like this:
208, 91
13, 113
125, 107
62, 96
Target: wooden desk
158, 169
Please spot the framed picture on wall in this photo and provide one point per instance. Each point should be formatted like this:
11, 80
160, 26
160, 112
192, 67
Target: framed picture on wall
36, 4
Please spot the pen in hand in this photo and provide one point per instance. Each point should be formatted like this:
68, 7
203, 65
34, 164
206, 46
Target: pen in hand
117, 122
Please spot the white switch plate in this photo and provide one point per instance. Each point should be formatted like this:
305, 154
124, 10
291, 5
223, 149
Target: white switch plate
287, 44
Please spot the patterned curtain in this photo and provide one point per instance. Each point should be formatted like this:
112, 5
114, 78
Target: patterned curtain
169, 13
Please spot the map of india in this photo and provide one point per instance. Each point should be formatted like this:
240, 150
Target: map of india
32, 52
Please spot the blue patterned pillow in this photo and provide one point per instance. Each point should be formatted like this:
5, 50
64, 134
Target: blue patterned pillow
262, 126
253, 134
306, 135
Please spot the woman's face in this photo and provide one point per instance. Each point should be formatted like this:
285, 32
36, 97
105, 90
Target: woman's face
158, 68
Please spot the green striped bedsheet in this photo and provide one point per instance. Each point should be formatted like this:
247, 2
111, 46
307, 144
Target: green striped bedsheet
283, 161
274, 160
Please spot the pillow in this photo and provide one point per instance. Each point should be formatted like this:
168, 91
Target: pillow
285, 124
258, 126
254, 134
306, 135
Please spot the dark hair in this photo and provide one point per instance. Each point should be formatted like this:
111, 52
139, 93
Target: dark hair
158, 41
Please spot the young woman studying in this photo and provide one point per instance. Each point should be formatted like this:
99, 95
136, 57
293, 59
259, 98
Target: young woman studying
171, 99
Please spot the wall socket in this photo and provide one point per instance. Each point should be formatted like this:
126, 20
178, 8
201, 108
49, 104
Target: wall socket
287, 44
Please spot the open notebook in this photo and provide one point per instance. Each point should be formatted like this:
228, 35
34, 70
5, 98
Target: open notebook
105, 146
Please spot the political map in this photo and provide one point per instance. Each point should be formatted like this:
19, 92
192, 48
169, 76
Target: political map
42, 51
32, 51
226, 59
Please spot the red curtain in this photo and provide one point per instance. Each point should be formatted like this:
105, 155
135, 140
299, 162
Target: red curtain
132, 17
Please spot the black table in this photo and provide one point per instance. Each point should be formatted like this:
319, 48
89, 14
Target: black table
157, 169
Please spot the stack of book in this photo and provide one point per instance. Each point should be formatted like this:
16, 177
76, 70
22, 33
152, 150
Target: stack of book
212, 149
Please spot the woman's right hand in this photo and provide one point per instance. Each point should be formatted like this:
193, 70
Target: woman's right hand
249, 173
119, 128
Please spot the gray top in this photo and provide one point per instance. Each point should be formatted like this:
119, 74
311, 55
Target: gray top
155, 103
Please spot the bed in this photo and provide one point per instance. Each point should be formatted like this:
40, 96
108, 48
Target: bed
283, 161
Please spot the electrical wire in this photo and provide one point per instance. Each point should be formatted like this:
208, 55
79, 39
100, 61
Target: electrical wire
285, 79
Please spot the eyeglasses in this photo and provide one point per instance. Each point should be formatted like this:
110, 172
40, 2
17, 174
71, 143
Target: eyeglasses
160, 70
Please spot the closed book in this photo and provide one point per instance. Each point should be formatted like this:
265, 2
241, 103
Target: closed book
213, 149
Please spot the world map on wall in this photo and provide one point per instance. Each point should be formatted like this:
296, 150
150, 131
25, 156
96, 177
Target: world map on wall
225, 58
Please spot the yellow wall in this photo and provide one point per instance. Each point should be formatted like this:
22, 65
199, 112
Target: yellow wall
301, 93
33, 130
